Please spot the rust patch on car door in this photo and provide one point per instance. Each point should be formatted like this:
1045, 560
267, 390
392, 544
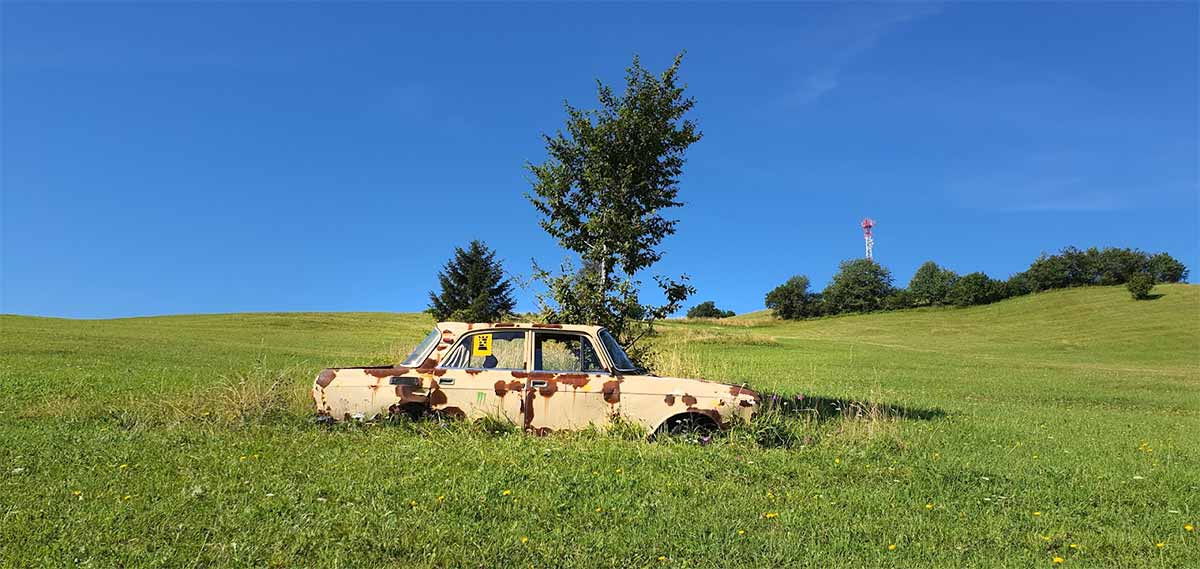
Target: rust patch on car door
612, 391
326, 377
549, 389
437, 397
576, 380
527, 409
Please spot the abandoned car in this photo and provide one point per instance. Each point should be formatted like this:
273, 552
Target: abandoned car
544, 377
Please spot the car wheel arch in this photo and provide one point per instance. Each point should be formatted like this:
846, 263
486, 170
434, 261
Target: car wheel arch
697, 418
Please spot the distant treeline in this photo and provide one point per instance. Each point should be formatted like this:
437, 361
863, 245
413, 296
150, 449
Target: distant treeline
862, 285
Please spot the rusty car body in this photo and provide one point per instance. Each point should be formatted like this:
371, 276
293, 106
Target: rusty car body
543, 377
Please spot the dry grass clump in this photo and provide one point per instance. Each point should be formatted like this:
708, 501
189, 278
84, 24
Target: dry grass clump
259, 394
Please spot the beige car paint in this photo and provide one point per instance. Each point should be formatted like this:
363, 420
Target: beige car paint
538, 400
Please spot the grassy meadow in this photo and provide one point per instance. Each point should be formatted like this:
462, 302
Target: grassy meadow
1053, 429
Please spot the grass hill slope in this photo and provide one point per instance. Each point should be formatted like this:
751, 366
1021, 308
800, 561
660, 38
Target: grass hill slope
1058, 426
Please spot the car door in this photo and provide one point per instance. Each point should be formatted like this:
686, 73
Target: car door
567, 383
484, 375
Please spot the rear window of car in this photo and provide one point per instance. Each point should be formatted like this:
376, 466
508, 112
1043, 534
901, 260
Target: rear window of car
564, 352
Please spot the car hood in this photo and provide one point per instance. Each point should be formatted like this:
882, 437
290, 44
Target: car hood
702, 386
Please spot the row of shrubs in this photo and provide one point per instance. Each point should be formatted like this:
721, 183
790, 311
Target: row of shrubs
863, 285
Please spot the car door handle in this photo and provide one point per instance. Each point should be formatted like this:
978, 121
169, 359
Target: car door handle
445, 381
539, 383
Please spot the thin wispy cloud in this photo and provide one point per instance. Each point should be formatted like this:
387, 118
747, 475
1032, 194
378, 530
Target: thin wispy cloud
844, 42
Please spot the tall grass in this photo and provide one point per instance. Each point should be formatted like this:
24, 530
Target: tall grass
259, 394
1058, 425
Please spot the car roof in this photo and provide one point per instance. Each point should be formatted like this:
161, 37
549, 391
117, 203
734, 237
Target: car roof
459, 328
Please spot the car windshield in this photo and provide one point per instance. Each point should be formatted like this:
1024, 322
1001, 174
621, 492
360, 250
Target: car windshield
619, 359
414, 358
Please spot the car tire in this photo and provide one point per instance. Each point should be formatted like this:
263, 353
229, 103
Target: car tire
688, 424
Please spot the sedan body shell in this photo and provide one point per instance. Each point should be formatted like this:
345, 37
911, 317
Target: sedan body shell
496, 370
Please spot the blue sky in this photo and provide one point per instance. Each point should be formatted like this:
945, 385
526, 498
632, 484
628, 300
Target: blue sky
182, 158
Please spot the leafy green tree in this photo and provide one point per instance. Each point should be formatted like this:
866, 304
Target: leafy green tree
900, 299
602, 193
1108, 266
1164, 268
792, 301
473, 287
1113, 266
860, 285
1139, 286
1048, 272
975, 288
1016, 285
708, 309
931, 284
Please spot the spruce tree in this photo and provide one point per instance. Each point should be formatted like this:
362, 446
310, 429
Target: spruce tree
473, 287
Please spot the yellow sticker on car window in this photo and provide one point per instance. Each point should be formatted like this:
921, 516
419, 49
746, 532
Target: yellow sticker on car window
481, 345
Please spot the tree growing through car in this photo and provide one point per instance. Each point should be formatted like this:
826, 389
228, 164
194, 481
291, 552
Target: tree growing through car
610, 176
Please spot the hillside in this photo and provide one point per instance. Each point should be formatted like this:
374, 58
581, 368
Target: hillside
1059, 425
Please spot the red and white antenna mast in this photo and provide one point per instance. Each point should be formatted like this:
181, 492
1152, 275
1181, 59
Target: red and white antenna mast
867, 224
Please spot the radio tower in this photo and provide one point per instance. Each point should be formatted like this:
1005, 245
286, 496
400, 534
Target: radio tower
867, 224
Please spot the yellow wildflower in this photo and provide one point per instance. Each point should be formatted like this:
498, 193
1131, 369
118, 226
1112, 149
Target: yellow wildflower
1074, 546
770, 515
1189, 527
837, 460
1058, 559
1037, 514
741, 532
928, 506
123, 466
662, 558
1160, 545
599, 509
524, 539
506, 493
891, 547
441, 498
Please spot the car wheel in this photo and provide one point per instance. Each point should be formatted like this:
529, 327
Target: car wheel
689, 425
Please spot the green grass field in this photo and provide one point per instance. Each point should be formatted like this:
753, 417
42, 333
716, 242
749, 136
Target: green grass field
1060, 425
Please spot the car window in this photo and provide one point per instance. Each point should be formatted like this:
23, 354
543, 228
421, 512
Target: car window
564, 352
414, 358
488, 350
620, 360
